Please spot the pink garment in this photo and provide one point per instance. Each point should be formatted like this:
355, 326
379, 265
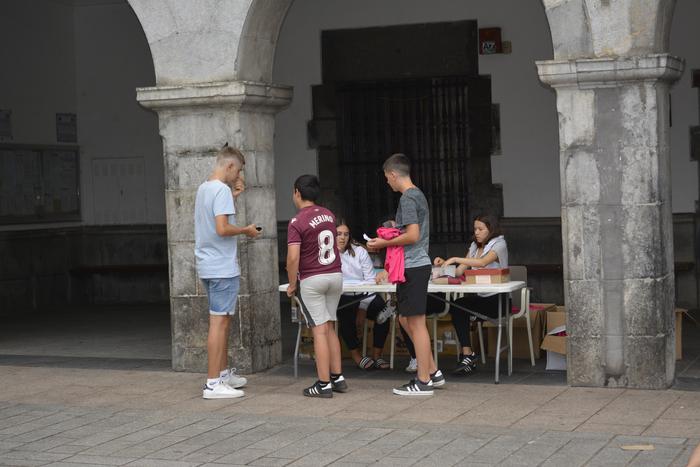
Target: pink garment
394, 262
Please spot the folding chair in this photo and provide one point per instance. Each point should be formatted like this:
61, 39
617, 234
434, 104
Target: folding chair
522, 301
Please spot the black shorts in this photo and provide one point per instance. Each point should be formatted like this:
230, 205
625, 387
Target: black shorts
412, 295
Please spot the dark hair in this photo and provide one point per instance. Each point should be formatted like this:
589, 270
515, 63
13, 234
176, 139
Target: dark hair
398, 163
491, 223
308, 187
351, 241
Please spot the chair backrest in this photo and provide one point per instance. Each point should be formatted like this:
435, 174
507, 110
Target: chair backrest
518, 273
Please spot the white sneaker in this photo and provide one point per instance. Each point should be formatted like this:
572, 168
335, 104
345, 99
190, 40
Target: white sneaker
221, 391
386, 313
412, 366
234, 380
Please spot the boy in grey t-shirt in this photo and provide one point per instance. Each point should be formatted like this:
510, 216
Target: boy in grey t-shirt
217, 265
413, 218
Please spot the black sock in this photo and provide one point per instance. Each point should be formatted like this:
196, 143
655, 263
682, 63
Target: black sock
323, 383
423, 382
335, 376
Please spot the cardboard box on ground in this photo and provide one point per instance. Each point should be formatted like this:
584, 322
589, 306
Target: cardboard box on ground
553, 344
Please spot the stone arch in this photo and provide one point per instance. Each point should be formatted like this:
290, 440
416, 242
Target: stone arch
256, 49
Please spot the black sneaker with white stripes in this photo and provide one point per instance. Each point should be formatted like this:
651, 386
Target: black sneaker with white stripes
467, 364
338, 383
437, 378
319, 389
415, 388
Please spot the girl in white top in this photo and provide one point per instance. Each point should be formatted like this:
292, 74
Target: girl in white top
357, 268
488, 251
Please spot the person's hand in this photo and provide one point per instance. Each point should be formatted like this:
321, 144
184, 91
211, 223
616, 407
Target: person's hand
382, 277
238, 186
377, 243
370, 249
449, 262
438, 261
291, 290
251, 231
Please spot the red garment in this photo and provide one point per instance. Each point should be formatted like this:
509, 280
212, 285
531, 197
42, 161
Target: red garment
394, 262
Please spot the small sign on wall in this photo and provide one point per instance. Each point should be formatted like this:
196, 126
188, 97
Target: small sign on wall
66, 128
490, 41
5, 125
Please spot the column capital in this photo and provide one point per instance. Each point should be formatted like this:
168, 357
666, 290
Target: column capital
591, 73
238, 95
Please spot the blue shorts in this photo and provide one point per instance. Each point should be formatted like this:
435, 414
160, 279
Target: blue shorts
222, 294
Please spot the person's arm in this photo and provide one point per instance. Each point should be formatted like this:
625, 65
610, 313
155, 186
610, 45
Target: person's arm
293, 253
410, 236
224, 229
368, 274
484, 261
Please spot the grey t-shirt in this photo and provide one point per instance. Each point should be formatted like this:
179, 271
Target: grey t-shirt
413, 209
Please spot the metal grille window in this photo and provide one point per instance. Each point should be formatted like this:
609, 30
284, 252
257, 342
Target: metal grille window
426, 119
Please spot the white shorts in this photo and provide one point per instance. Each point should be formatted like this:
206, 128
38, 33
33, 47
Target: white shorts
319, 296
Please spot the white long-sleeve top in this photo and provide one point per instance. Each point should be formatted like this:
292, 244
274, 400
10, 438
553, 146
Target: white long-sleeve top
357, 269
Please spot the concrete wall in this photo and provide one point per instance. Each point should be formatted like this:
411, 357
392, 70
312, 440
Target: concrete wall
86, 58
529, 165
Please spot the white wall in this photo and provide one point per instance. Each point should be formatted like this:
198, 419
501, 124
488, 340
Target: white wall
685, 42
528, 115
86, 58
528, 168
117, 136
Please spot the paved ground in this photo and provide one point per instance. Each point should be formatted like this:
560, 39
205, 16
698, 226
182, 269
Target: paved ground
77, 415
63, 402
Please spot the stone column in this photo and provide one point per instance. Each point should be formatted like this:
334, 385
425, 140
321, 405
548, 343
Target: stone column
195, 121
616, 217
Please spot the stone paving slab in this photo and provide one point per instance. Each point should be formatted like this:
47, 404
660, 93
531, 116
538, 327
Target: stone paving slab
464, 424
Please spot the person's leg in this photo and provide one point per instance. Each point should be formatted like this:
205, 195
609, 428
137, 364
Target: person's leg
348, 328
321, 335
460, 321
333, 293
224, 353
421, 340
216, 344
380, 332
407, 337
312, 295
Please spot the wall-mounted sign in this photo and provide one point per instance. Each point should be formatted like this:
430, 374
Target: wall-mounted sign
66, 128
5, 125
490, 41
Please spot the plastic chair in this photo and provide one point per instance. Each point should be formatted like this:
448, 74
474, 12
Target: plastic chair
520, 300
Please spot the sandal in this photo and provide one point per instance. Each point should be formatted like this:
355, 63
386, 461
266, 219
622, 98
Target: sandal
366, 363
381, 364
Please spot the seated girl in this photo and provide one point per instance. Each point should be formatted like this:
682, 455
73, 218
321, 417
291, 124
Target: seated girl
488, 250
357, 268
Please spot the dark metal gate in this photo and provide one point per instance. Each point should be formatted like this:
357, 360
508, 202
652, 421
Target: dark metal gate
426, 119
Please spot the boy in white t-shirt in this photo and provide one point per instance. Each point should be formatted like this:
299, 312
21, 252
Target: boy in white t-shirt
217, 265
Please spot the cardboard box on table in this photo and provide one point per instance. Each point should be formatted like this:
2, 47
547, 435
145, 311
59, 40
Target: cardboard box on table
553, 344
521, 348
487, 276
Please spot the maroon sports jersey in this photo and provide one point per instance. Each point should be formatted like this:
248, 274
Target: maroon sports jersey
314, 229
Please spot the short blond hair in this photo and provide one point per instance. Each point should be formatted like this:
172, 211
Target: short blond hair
227, 153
